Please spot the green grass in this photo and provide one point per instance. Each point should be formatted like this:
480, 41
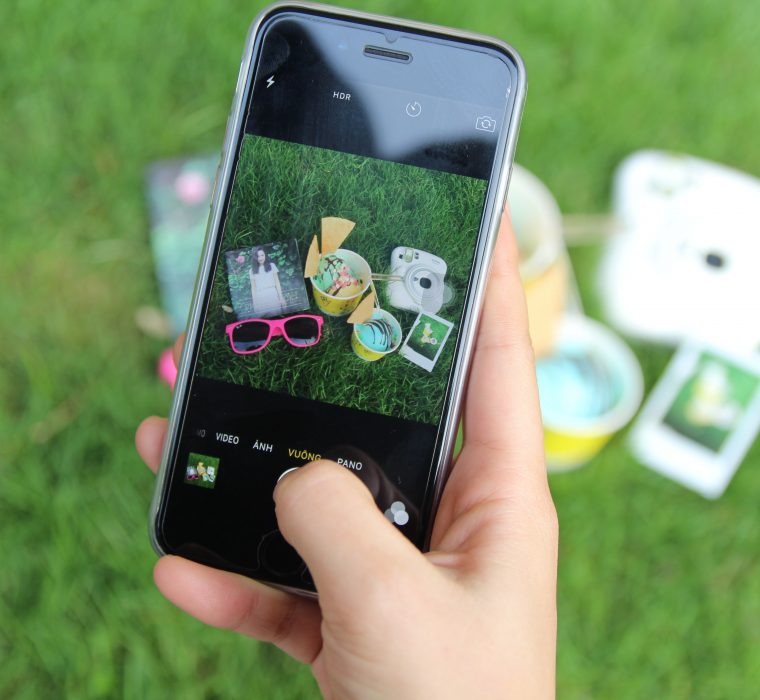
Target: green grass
391, 205
659, 590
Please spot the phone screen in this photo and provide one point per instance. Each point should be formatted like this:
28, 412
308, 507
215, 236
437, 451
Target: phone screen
340, 277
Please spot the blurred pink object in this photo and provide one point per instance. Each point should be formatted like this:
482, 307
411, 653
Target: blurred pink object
166, 368
192, 187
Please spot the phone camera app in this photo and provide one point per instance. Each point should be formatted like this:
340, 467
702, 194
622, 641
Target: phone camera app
485, 124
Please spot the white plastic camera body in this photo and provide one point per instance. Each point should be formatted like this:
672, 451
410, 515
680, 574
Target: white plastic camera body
686, 262
421, 285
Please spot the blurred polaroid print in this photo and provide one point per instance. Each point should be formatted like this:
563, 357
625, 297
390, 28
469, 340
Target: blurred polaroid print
179, 194
701, 418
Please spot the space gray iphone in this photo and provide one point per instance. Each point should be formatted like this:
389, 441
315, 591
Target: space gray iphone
363, 176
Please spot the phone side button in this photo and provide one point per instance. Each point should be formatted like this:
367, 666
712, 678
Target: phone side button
506, 196
216, 178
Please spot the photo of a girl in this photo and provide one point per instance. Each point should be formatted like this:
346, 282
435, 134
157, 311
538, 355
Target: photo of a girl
266, 293
266, 280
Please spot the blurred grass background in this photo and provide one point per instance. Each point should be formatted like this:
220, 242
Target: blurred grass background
659, 591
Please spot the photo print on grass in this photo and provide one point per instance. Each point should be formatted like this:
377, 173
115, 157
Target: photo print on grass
711, 403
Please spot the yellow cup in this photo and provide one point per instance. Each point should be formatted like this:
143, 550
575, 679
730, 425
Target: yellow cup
544, 266
590, 388
371, 354
339, 305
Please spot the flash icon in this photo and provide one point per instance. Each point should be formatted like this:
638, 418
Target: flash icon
270, 81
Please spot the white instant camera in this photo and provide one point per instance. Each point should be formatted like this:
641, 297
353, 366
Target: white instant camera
416, 280
685, 263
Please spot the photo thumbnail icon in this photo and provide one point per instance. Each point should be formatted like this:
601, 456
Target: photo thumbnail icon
202, 470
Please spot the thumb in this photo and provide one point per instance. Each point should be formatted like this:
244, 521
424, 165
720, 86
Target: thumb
329, 516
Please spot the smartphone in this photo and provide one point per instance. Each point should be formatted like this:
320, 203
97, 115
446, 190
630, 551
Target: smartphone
363, 176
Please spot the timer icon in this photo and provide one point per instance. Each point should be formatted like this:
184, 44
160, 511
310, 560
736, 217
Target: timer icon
414, 109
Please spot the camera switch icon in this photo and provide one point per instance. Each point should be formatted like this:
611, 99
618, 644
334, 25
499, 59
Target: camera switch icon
485, 123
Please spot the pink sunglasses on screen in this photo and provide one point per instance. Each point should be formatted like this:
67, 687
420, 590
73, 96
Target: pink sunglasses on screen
253, 334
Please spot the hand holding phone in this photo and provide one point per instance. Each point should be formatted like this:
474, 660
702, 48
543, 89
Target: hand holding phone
477, 611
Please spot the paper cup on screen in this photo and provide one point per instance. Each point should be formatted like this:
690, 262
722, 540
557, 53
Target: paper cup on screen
340, 283
378, 337
590, 387
543, 260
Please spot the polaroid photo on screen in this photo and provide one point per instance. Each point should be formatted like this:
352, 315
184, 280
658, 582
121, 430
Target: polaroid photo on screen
701, 418
425, 341
266, 280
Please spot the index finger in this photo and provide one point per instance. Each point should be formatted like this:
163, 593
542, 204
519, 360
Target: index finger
502, 419
502, 408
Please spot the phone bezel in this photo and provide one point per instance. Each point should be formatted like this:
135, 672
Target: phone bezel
493, 207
